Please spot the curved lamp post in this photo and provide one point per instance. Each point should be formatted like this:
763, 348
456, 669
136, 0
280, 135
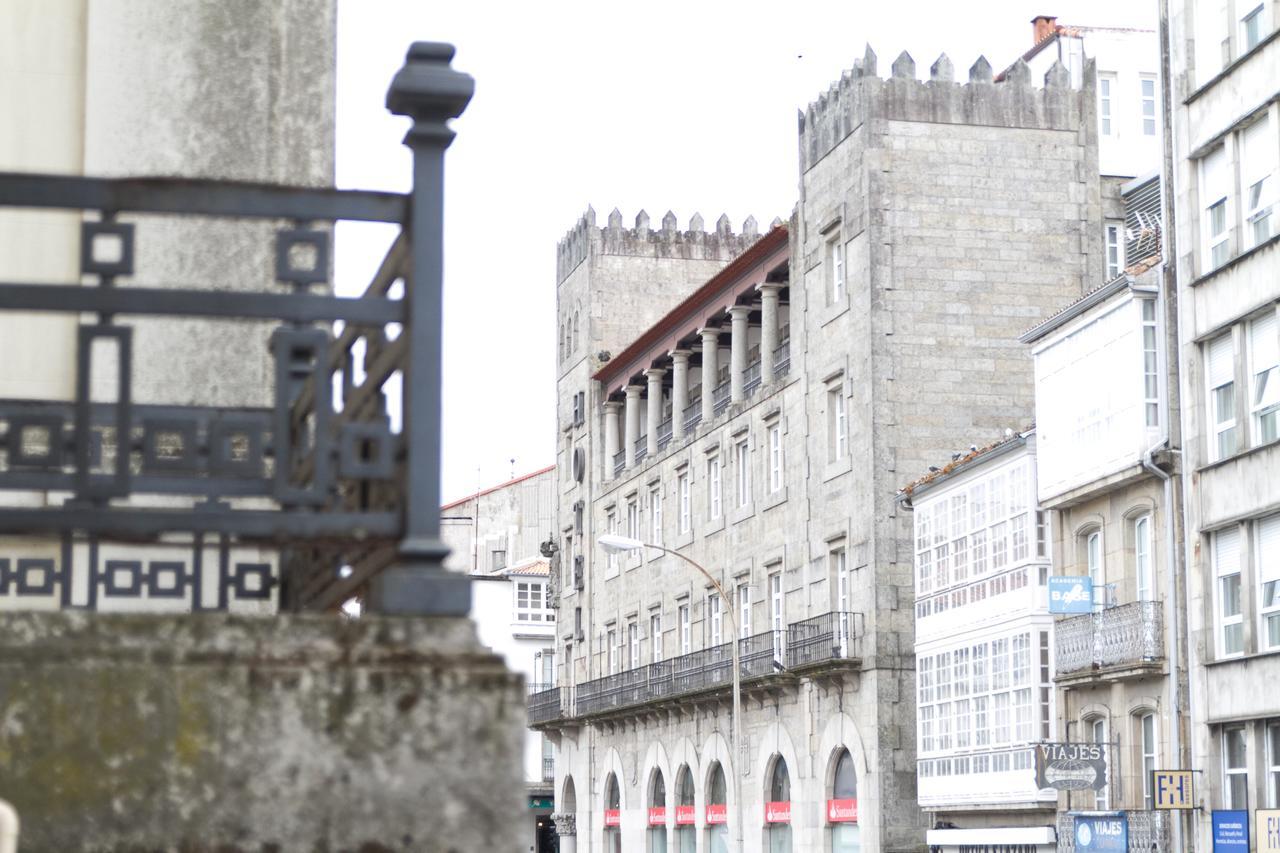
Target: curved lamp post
614, 543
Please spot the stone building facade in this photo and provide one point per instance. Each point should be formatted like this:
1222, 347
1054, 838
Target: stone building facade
751, 401
1225, 63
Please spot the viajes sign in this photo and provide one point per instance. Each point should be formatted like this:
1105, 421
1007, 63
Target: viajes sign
1071, 766
1107, 832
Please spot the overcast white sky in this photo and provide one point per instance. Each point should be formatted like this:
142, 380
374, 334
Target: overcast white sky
688, 106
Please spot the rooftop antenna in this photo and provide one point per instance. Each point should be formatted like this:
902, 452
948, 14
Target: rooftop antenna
513, 468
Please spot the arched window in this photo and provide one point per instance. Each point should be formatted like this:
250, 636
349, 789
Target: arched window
686, 832
569, 797
777, 809
612, 815
1142, 558
717, 811
657, 814
1146, 738
1096, 731
842, 807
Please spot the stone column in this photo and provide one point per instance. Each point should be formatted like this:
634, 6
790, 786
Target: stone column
679, 391
768, 331
738, 351
710, 355
567, 829
633, 423
654, 409
611, 410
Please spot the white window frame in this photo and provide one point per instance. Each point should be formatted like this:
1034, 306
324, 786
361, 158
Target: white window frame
775, 458
1095, 564
1258, 164
1106, 98
835, 259
1229, 770
535, 607
1267, 560
838, 563
1271, 763
655, 637
633, 640
1143, 558
742, 461
611, 640
683, 488
1098, 731
715, 620
1228, 627
715, 503
837, 422
1150, 123
775, 600
743, 595
1215, 193
1149, 744
1224, 438
612, 524
686, 629
1263, 335
1150, 363
655, 514
1114, 233
633, 518
1253, 26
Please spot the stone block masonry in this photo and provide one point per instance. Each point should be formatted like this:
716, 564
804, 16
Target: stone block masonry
215, 732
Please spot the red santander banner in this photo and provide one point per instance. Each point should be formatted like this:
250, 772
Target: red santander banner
685, 816
717, 813
612, 817
842, 811
657, 816
777, 812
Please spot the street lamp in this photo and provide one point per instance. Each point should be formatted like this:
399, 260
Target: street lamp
614, 543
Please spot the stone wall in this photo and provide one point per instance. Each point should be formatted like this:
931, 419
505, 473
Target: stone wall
227, 733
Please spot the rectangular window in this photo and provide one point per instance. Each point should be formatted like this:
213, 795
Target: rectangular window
1215, 187
1106, 86
715, 618
1097, 573
713, 488
1252, 27
835, 259
531, 602
612, 524
1226, 566
655, 514
1019, 536
611, 641
838, 563
1148, 84
686, 634
743, 597
837, 424
1273, 764
1115, 250
686, 508
1264, 378
1221, 372
1099, 727
775, 612
775, 458
1150, 364
1268, 550
1142, 558
743, 460
1235, 768
1258, 180
633, 519
633, 637
655, 638
1147, 722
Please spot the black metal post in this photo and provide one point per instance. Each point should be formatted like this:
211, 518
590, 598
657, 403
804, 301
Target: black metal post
430, 92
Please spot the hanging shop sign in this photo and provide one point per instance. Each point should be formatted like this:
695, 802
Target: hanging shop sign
1230, 831
1100, 833
1071, 594
842, 811
1172, 789
779, 812
1071, 766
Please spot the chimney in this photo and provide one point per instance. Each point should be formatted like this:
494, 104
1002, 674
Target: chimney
1043, 26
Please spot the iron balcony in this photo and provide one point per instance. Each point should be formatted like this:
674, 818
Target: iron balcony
1117, 642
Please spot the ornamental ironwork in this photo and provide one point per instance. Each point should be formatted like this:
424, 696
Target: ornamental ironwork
337, 479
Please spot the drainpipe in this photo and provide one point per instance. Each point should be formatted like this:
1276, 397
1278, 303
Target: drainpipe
8, 828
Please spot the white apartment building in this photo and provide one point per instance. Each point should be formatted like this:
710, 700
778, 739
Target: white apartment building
984, 686
1225, 57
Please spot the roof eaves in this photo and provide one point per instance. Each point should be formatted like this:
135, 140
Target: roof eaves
957, 466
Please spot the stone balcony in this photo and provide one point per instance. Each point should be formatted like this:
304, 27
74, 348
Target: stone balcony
1114, 644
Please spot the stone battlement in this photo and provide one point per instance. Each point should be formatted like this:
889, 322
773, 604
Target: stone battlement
860, 95
643, 241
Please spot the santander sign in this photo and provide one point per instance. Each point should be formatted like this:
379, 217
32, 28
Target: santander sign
842, 811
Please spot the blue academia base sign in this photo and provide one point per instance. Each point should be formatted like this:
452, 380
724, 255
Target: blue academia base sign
1231, 831
1102, 832
1071, 594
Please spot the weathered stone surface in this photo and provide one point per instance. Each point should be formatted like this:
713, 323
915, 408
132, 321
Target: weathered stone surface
216, 732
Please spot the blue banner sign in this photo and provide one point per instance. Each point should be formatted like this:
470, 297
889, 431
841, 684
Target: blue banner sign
1102, 832
1231, 831
1071, 594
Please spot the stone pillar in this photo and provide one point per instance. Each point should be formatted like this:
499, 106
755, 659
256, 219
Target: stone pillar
710, 355
567, 829
632, 424
738, 351
679, 391
611, 410
654, 409
768, 331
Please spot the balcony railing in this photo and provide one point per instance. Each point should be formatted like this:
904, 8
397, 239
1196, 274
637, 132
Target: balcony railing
545, 706
1127, 635
642, 447
782, 359
1148, 830
751, 378
664, 433
623, 689
720, 397
619, 461
830, 637
693, 414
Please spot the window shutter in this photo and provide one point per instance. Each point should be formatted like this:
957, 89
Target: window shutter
1220, 365
1226, 551
1269, 549
1217, 177
1264, 346
1259, 152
